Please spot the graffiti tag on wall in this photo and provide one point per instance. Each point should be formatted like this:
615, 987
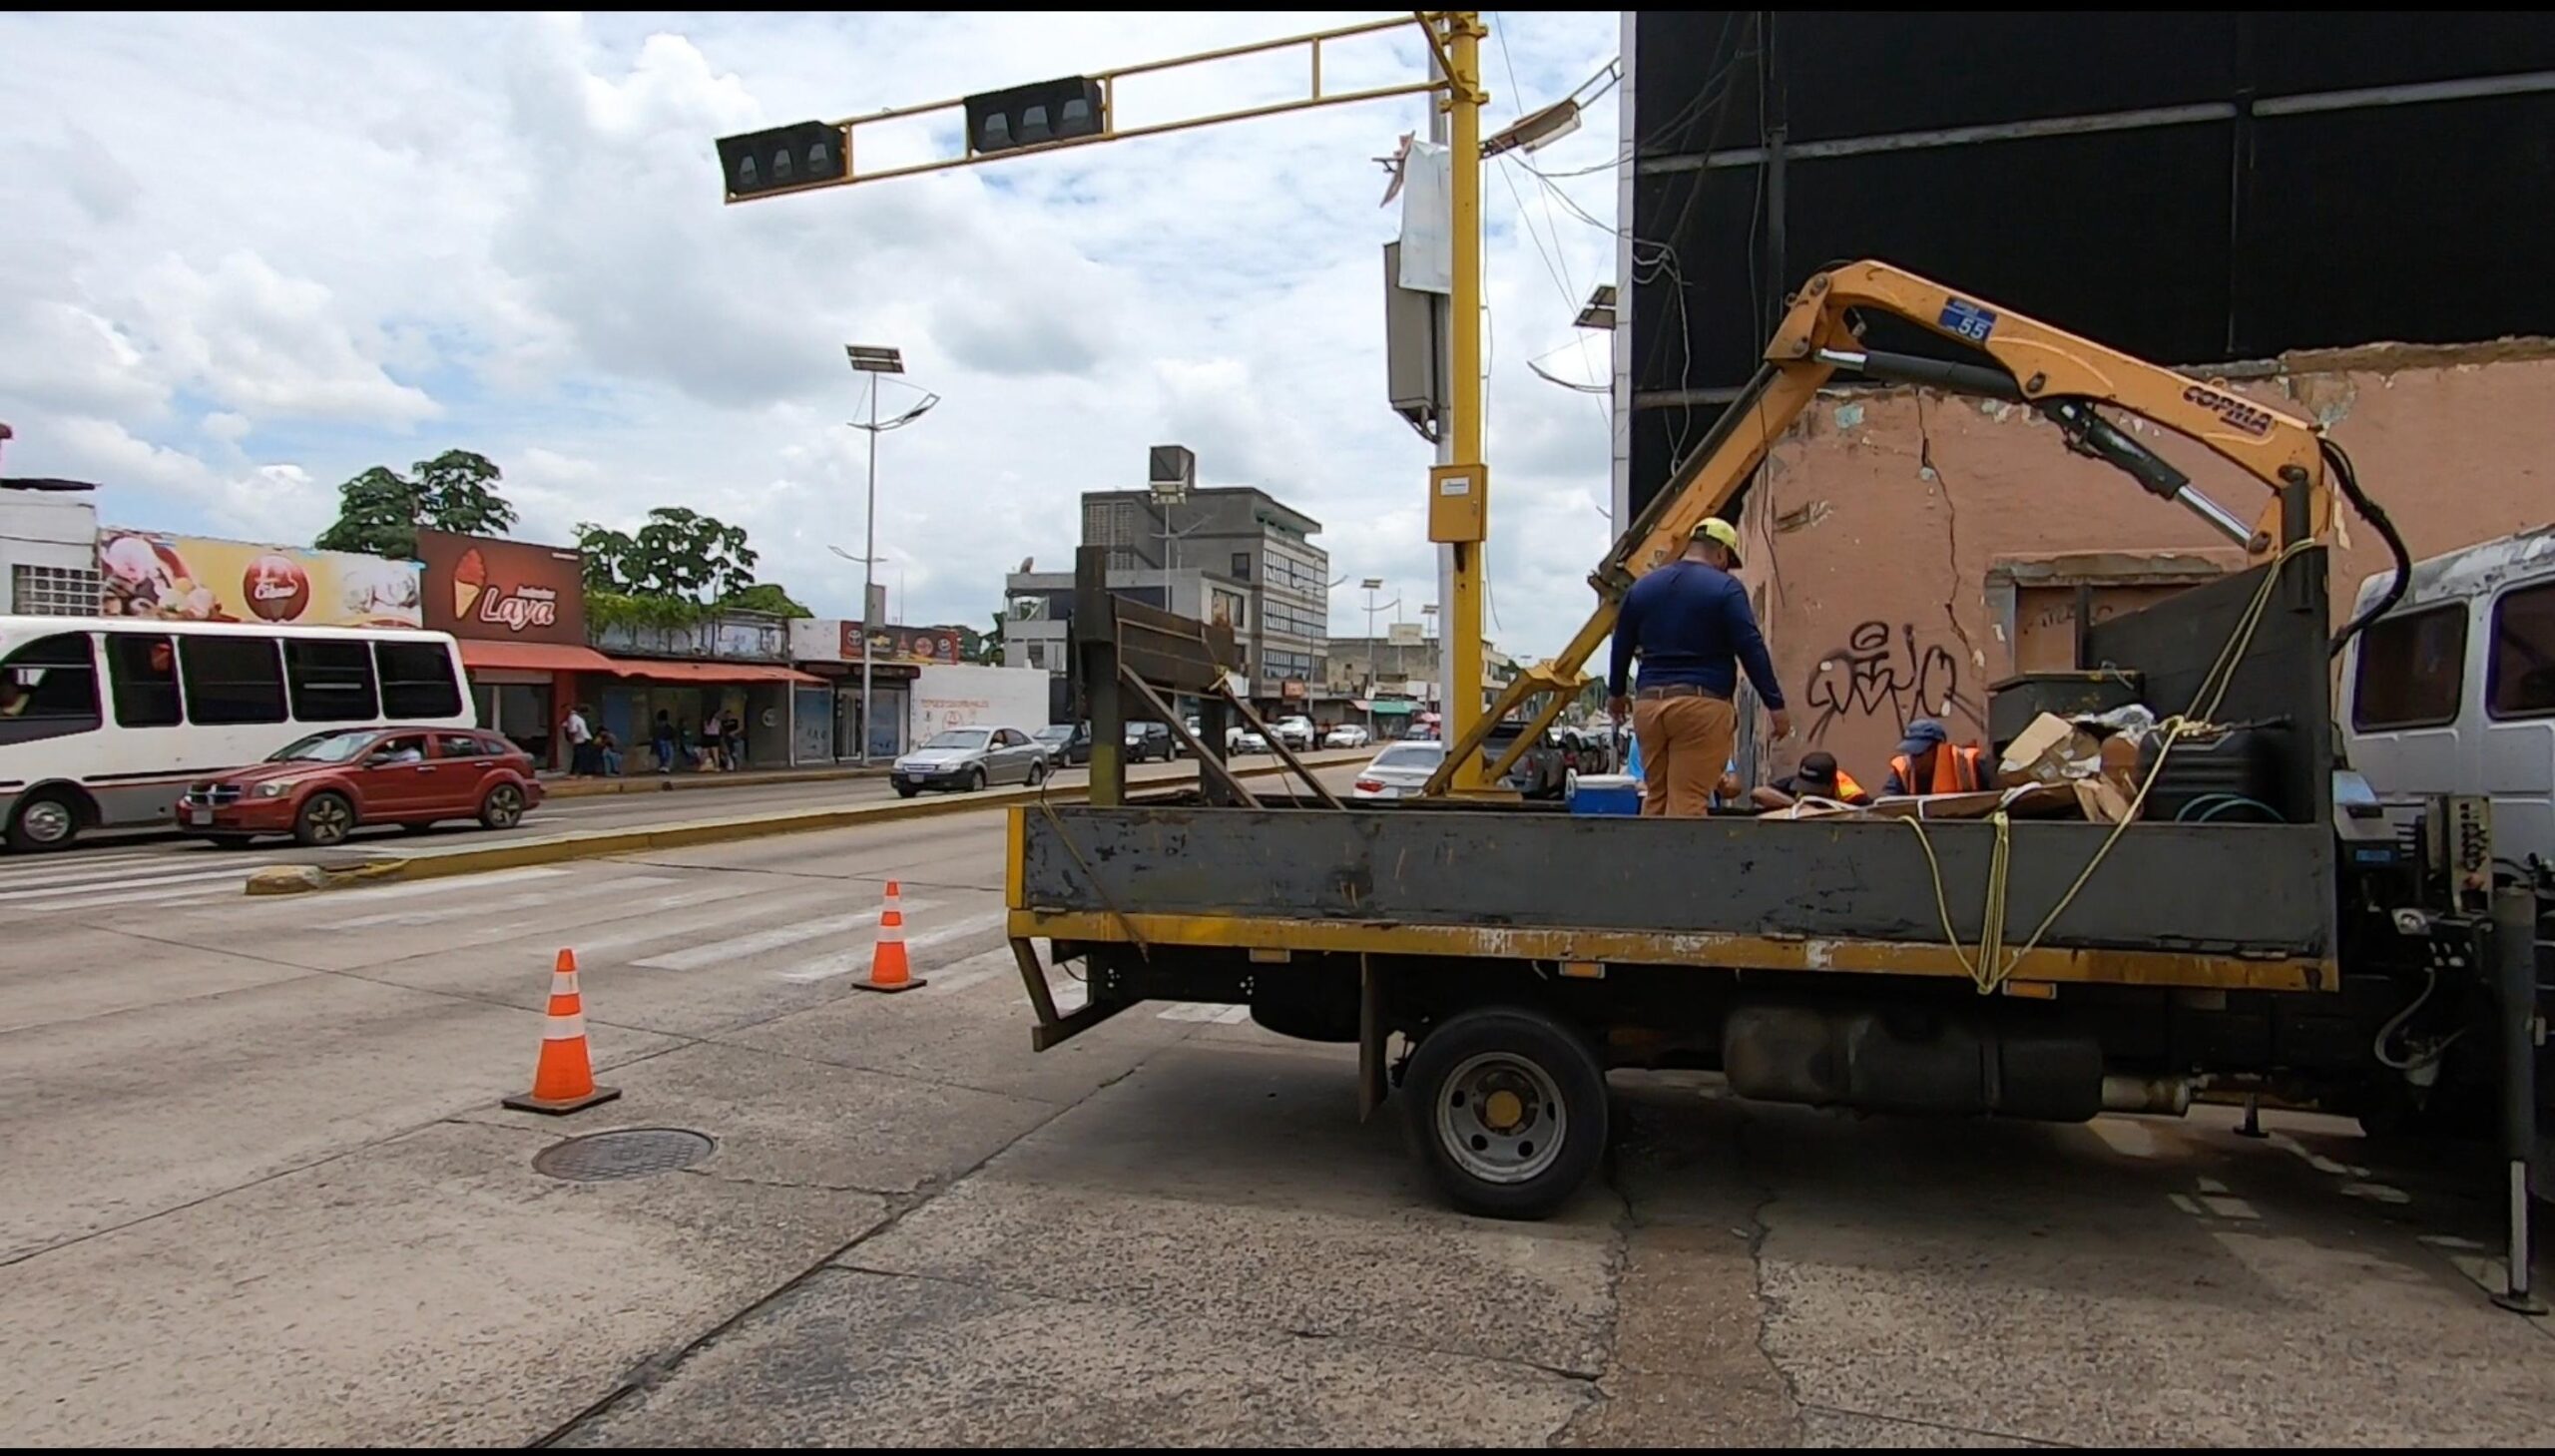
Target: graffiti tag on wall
1881, 675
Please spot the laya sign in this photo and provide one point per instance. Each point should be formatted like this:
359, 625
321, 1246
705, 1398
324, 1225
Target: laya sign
507, 591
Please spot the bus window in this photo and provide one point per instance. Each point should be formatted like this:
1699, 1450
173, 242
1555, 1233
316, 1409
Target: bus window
417, 682
330, 678
143, 672
232, 679
48, 690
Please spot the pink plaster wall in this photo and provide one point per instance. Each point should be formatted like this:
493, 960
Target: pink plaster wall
1870, 555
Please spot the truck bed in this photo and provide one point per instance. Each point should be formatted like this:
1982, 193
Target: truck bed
2174, 904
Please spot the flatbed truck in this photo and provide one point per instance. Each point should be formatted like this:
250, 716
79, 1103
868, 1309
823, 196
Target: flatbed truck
1493, 960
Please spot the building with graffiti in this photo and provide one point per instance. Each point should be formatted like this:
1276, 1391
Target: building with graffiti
2180, 199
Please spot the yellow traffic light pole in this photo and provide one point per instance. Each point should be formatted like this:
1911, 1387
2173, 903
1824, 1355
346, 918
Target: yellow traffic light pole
811, 156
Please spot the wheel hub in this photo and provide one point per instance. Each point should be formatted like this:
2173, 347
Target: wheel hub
1499, 1116
47, 821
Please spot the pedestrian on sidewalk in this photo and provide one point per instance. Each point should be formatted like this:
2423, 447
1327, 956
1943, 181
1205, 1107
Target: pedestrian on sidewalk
608, 751
733, 735
581, 740
664, 742
710, 759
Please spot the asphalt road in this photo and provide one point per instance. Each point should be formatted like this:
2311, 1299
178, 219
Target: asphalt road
600, 811
261, 1190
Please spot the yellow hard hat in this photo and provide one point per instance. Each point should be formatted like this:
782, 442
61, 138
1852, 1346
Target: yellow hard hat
1714, 528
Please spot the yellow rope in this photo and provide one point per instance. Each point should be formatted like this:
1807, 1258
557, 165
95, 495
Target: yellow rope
1992, 967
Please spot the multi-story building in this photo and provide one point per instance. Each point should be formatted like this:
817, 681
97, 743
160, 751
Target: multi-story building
1232, 554
48, 548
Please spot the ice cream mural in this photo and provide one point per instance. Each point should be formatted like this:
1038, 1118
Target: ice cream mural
187, 579
509, 590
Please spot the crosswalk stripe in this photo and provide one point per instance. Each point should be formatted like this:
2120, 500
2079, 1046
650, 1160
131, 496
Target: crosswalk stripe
135, 882
739, 948
87, 872
975, 970
182, 894
765, 904
525, 901
835, 963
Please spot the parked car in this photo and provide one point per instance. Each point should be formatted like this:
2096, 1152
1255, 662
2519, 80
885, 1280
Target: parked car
1295, 732
1150, 741
1347, 736
1239, 740
972, 758
324, 786
1399, 770
1539, 772
1064, 743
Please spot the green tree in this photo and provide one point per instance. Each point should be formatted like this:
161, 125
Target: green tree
679, 555
982, 646
380, 511
767, 597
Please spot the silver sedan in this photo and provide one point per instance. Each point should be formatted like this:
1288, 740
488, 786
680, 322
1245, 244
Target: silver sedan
971, 758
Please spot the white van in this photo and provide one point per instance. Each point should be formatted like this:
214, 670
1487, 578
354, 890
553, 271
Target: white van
2453, 689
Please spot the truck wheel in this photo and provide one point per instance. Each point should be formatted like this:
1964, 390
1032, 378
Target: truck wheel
1508, 1107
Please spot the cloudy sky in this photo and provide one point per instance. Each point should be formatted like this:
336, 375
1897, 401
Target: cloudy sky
248, 257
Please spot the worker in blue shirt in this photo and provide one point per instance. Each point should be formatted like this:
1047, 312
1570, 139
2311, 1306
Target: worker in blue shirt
1691, 627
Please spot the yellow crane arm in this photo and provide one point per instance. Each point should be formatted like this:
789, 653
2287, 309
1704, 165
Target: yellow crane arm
2061, 375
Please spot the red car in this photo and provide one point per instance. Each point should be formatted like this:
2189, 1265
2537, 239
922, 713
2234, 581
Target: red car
321, 787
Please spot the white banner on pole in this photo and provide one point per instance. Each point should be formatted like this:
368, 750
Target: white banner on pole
1427, 220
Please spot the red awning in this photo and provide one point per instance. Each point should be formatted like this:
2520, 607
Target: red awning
534, 656
709, 671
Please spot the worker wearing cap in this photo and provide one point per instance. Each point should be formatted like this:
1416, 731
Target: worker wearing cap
1930, 762
1817, 777
1691, 627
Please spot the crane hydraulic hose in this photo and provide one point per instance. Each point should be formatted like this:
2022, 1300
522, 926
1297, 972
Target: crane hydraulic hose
2370, 511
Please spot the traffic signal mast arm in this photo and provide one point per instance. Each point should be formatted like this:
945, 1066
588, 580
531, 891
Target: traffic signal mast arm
2053, 371
1046, 115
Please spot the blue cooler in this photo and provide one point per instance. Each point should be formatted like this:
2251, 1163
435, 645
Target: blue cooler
1606, 793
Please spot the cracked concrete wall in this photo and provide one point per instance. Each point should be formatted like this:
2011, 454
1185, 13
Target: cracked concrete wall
1883, 511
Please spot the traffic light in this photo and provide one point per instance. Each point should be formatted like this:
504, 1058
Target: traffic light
1024, 116
783, 158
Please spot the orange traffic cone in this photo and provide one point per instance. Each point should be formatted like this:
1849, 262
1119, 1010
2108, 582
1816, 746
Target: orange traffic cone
887, 968
564, 1080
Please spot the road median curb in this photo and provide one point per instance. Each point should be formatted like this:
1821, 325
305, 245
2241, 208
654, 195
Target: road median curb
287, 879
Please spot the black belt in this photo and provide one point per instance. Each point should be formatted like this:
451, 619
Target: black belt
1681, 689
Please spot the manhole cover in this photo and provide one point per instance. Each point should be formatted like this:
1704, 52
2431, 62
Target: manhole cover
630, 1153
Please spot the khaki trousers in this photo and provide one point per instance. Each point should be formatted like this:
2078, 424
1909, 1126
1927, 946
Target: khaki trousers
1686, 742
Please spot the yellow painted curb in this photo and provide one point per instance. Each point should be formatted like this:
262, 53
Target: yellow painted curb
599, 843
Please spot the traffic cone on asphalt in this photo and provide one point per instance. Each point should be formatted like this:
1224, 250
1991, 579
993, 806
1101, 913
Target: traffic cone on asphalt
887, 968
563, 1079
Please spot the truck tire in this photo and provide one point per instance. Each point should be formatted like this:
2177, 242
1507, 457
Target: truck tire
1508, 1109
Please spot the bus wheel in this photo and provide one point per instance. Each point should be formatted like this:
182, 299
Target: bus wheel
45, 821
1508, 1107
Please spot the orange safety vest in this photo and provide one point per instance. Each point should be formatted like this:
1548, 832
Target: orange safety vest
1848, 790
1955, 771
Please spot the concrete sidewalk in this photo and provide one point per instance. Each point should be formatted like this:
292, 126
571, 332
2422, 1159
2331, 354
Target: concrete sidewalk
562, 786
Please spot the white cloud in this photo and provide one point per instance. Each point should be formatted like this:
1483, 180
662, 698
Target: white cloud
331, 242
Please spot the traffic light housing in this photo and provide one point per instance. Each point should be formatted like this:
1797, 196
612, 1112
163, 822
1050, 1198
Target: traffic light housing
783, 159
1026, 115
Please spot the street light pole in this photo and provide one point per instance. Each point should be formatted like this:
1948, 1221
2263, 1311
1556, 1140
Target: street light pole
874, 360
868, 570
